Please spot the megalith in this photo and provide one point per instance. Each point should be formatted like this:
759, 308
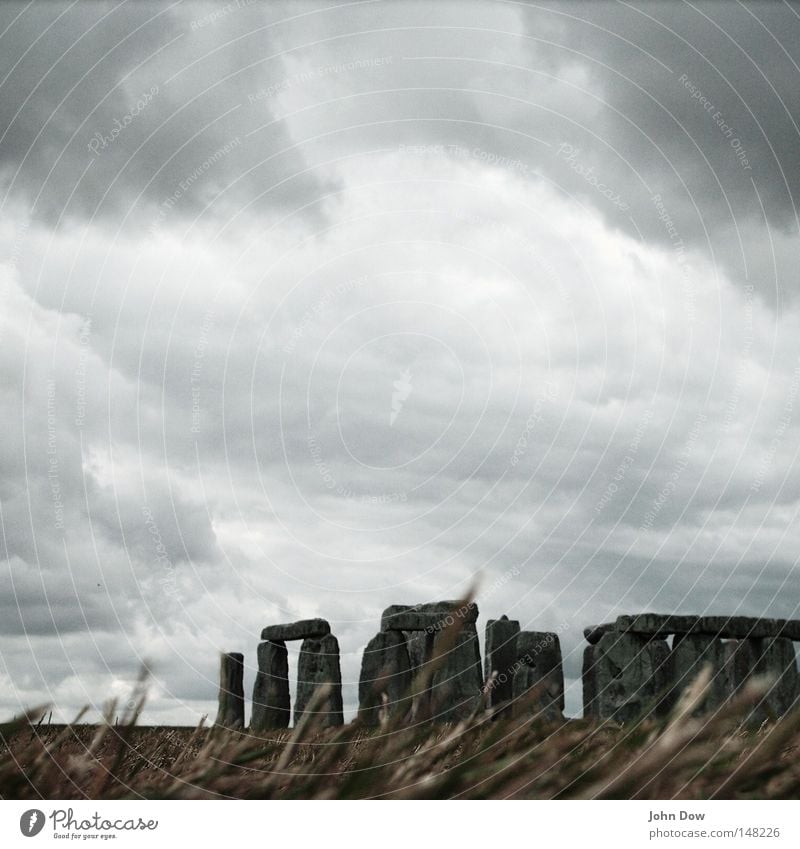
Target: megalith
385, 681
690, 654
231, 691
319, 665
632, 676
500, 655
456, 686
420, 654
444, 656
271, 701
776, 659
539, 667
589, 679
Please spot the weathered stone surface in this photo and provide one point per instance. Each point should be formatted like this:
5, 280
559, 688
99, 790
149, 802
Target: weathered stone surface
420, 652
656, 624
385, 671
632, 675
231, 691
431, 617
738, 627
539, 665
593, 633
500, 653
789, 628
301, 630
271, 702
741, 660
420, 649
724, 627
589, 680
741, 657
690, 654
318, 664
776, 658
456, 683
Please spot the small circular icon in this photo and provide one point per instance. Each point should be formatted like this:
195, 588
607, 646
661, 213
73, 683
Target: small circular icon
31, 822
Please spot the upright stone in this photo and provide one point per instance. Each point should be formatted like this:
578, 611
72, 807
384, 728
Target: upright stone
741, 662
500, 653
776, 658
271, 702
632, 675
420, 649
318, 665
741, 657
231, 691
385, 671
456, 689
420, 653
539, 666
589, 680
690, 654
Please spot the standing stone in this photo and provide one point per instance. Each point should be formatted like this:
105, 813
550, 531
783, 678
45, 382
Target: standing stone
741, 661
776, 658
385, 670
539, 665
632, 675
500, 654
231, 691
420, 649
741, 657
420, 652
456, 686
271, 702
319, 664
589, 680
690, 653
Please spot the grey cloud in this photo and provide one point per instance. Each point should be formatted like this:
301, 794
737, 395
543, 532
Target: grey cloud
133, 112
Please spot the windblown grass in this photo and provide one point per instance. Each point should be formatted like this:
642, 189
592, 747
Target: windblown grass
682, 756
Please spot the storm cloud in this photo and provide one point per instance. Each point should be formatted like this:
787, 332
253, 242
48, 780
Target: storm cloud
308, 309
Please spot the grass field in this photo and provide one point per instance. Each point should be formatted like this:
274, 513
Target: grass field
682, 756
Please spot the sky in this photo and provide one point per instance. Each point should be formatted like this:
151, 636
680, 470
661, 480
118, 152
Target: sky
312, 308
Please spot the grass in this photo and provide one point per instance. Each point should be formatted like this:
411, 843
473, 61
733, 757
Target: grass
682, 756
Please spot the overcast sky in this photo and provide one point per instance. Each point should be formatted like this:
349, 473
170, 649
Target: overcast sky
312, 308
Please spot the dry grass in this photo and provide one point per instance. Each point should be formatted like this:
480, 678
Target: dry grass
680, 757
